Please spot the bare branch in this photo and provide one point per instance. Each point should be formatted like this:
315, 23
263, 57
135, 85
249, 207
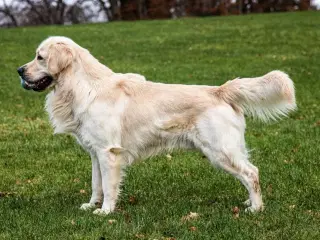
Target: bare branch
8, 11
106, 10
35, 10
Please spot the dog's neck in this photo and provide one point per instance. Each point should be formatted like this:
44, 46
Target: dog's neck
92, 67
68, 102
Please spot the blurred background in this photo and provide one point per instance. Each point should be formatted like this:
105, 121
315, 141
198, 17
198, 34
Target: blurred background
15, 13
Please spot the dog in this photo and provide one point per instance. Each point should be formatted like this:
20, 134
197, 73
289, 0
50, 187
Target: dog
119, 118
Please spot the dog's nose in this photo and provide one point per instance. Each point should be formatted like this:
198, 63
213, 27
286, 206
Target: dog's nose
20, 71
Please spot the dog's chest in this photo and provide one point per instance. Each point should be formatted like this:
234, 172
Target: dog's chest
91, 134
93, 126
100, 126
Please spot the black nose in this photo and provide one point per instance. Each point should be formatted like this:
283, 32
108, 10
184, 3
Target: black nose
20, 71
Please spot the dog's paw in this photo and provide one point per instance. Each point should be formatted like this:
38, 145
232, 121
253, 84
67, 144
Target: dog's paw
254, 209
250, 210
101, 212
247, 203
87, 206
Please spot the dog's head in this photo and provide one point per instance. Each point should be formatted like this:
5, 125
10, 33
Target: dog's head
53, 57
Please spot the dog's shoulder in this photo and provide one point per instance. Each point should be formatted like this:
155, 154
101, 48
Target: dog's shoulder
130, 84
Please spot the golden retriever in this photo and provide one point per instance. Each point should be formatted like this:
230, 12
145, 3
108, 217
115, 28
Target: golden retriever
119, 118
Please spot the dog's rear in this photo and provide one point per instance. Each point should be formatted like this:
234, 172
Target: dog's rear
268, 97
221, 131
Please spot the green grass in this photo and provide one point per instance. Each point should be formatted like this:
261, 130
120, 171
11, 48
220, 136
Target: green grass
41, 175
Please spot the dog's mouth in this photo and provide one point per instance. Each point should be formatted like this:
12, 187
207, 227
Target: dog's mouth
39, 85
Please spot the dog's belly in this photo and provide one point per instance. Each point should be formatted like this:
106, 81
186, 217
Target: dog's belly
148, 144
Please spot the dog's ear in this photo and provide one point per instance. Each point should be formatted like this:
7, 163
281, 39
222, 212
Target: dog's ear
60, 58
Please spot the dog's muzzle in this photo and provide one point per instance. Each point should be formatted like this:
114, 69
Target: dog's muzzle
39, 85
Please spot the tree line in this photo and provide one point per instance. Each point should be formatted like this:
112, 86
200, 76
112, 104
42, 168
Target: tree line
44, 12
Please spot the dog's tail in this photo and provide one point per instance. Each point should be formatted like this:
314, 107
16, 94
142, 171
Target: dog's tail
269, 97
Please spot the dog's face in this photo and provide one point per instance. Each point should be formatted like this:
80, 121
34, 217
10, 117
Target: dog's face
53, 57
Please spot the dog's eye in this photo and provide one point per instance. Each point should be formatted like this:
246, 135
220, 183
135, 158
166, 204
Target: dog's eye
39, 57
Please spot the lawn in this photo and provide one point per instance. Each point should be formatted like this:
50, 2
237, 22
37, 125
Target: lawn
44, 178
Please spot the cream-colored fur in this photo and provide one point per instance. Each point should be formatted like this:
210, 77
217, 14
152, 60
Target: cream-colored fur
119, 118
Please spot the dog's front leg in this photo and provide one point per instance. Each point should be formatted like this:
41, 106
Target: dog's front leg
110, 161
97, 193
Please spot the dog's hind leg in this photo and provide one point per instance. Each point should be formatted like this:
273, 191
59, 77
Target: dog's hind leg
111, 166
221, 139
235, 163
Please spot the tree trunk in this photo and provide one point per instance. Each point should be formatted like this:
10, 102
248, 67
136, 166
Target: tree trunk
115, 9
142, 9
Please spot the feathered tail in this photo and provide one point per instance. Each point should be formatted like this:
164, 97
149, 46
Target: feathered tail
269, 97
